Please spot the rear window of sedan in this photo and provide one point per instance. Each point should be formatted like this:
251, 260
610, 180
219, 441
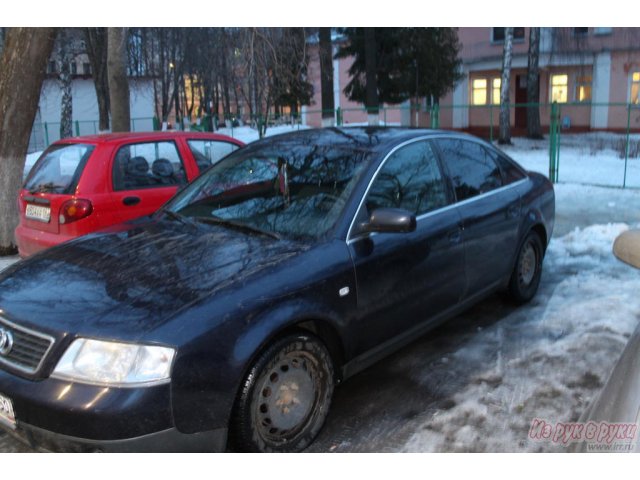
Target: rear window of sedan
59, 168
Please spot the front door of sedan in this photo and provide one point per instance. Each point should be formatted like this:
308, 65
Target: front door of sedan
490, 212
406, 279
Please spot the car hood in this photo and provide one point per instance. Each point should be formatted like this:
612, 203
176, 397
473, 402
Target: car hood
123, 284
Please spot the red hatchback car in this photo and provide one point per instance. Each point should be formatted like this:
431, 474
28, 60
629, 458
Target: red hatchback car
80, 185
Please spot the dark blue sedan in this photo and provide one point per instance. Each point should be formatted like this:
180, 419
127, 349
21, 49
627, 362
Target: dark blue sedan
225, 319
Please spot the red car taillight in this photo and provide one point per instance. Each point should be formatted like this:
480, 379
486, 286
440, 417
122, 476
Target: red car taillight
75, 209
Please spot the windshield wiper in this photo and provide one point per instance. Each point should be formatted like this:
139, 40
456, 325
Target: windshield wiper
237, 225
47, 187
176, 216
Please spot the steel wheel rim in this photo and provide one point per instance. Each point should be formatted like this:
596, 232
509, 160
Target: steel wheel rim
528, 264
287, 397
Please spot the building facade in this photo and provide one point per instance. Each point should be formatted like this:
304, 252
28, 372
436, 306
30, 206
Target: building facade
593, 74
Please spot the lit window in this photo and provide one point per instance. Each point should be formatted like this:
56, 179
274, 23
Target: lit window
479, 93
495, 92
583, 89
635, 88
559, 84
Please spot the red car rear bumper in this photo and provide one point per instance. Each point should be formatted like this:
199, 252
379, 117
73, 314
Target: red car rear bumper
32, 241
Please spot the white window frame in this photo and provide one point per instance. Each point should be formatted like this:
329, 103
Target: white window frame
515, 39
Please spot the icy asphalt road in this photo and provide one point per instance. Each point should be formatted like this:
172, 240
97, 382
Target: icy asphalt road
475, 383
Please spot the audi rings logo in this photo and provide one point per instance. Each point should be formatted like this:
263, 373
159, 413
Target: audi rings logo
6, 342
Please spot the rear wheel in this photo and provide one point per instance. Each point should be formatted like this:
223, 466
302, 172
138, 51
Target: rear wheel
527, 271
285, 397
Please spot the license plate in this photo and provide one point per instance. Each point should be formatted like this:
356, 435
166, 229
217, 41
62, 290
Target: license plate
7, 417
37, 212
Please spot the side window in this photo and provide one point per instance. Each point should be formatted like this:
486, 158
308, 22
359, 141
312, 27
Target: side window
472, 170
410, 179
510, 173
148, 165
208, 152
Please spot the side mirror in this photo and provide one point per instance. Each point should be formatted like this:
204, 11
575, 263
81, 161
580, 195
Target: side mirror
389, 220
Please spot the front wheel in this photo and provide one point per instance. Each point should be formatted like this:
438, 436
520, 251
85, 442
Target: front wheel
285, 397
527, 271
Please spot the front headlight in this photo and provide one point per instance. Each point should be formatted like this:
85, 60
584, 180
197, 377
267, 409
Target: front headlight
115, 364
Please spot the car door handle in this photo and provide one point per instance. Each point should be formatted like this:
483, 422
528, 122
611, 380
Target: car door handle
130, 201
513, 211
455, 237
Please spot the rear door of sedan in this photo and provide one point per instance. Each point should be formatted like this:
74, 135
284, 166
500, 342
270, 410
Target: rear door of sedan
405, 279
490, 207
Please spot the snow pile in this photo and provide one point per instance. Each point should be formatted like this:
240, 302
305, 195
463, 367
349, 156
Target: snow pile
594, 242
545, 360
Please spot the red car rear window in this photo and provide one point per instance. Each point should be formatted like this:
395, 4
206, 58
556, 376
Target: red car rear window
59, 168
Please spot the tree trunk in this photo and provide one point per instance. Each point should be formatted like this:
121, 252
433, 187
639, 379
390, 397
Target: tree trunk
118, 80
371, 75
505, 110
533, 85
326, 76
96, 41
24, 62
64, 58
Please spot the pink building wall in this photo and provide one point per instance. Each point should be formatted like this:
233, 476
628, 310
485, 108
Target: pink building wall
610, 54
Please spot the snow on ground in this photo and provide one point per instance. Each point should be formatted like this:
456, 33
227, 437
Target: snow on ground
594, 158
551, 357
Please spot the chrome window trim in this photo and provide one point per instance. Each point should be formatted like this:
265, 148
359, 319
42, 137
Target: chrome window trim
351, 239
42, 336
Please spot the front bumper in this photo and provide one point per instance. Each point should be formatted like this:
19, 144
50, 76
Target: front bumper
170, 440
57, 415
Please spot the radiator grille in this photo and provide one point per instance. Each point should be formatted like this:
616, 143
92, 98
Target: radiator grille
29, 347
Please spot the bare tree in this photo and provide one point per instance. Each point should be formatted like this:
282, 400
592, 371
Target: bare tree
96, 46
505, 110
67, 47
118, 80
326, 75
270, 70
24, 61
533, 85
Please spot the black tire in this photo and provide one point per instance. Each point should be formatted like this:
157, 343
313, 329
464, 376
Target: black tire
285, 397
527, 270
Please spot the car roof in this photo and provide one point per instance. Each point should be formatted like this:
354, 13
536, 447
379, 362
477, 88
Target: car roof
372, 139
127, 137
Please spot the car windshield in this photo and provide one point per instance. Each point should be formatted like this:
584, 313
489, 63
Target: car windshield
59, 168
293, 191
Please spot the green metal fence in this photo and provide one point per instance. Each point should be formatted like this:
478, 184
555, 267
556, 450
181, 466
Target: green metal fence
562, 126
